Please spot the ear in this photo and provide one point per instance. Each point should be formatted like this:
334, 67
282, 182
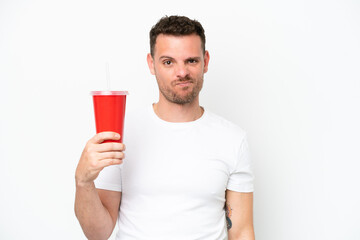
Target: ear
206, 61
151, 65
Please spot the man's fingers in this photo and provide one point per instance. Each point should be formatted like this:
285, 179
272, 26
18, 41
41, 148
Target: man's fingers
111, 155
109, 162
110, 146
100, 137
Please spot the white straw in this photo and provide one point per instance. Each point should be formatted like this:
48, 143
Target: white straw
107, 76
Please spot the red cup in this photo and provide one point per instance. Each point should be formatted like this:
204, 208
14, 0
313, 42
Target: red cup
109, 109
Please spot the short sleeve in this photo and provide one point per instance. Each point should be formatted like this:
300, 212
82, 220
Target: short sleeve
241, 177
109, 178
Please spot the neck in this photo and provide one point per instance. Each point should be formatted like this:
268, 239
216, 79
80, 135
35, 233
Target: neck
172, 112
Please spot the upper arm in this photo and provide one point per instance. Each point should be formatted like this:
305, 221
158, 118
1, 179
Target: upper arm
111, 201
239, 213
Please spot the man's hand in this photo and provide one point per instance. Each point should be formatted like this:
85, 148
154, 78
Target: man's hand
97, 155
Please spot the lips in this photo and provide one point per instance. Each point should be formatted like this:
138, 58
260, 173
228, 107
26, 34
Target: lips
184, 83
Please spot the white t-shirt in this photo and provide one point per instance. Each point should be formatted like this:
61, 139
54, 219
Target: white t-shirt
174, 177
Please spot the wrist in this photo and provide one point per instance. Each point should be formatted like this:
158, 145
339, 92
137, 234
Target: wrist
84, 184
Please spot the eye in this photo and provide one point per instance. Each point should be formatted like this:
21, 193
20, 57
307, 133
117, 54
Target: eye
192, 61
167, 62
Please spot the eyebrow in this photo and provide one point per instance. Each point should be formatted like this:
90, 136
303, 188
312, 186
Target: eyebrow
194, 58
189, 58
162, 57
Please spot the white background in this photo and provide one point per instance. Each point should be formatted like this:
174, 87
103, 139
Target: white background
285, 71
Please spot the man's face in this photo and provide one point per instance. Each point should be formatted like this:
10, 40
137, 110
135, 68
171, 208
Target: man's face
179, 66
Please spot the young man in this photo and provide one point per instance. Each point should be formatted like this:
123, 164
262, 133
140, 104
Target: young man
183, 163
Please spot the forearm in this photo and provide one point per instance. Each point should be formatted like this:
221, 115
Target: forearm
246, 233
93, 217
239, 215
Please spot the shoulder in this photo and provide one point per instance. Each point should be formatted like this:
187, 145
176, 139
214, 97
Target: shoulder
225, 127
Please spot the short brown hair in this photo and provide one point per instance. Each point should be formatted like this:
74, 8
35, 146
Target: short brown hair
177, 26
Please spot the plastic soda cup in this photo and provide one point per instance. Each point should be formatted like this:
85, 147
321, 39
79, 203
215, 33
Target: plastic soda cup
109, 109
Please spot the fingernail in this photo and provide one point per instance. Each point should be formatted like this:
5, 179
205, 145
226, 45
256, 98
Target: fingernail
117, 135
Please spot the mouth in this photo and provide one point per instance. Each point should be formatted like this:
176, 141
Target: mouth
184, 83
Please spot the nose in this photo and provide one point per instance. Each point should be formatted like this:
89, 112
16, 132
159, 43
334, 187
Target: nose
181, 71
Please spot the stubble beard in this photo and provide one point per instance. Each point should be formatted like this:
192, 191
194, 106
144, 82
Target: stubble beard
174, 97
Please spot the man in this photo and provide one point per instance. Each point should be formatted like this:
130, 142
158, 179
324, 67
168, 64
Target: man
183, 163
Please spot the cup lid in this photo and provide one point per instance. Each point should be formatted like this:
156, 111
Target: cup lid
109, 93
